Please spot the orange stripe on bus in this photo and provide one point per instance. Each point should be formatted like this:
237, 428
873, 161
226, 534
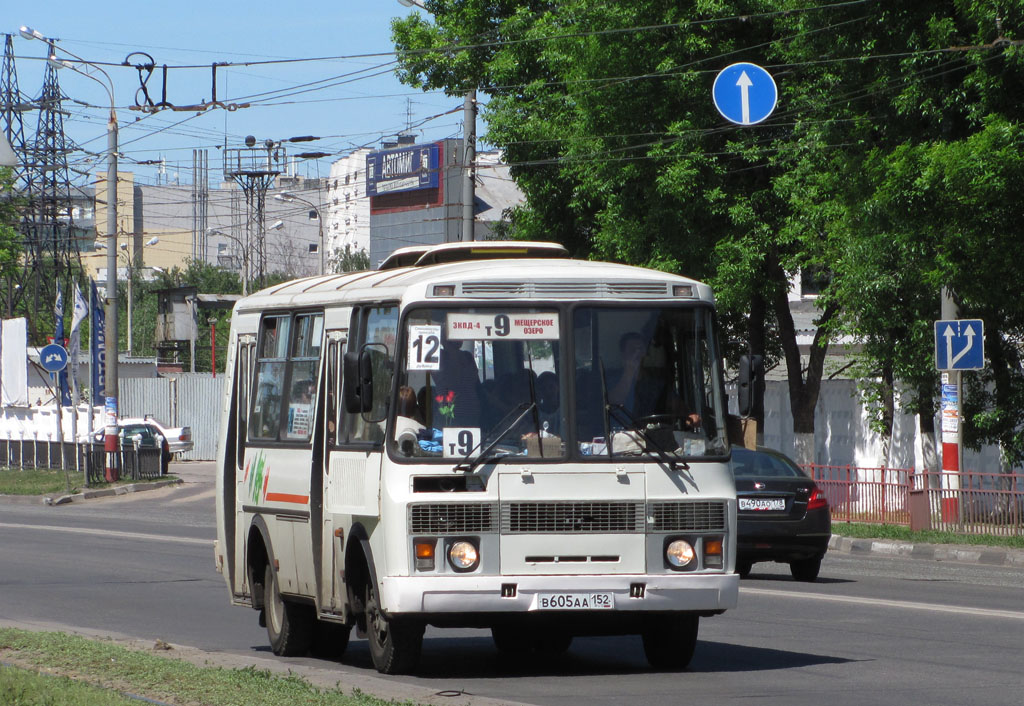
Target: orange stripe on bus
288, 498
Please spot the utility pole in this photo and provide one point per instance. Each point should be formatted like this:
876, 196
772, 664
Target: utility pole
952, 427
468, 165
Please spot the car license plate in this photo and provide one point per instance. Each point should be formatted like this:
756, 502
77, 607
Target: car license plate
762, 504
575, 601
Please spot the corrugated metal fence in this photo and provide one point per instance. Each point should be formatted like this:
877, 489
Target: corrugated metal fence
186, 399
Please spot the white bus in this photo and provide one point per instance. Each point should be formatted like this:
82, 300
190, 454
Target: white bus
480, 435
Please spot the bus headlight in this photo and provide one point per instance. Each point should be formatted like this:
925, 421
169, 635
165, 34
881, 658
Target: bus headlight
679, 554
463, 555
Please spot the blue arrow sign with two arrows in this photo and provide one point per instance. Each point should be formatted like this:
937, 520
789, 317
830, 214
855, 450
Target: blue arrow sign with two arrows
960, 344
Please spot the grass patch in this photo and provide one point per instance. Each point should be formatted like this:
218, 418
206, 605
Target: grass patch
47, 481
28, 688
118, 670
902, 533
38, 481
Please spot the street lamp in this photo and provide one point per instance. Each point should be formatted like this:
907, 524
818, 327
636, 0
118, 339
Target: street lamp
110, 334
289, 197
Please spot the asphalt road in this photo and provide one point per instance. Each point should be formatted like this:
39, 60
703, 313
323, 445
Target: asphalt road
873, 630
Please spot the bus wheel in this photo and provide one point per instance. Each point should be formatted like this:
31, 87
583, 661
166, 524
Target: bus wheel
394, 644
289, 625
330, 640
669, 644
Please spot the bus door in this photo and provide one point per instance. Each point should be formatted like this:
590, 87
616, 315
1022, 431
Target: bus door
276, 479
330, 546
352, 482
234, 516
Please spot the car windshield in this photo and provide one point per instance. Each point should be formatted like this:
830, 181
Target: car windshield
753, 464
642, 382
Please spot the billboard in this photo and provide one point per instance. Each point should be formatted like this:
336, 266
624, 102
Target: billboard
402, 169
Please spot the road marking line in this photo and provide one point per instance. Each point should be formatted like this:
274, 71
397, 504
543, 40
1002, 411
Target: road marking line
110, 533
879, 602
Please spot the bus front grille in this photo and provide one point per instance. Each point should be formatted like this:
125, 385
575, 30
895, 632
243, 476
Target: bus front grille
452, 518
686, 516
597, 517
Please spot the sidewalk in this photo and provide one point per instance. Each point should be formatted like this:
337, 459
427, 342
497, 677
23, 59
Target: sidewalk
961, 553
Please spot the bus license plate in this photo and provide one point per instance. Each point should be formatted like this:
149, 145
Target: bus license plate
575, 601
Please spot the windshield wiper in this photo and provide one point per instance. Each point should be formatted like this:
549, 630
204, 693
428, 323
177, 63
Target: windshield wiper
471, 464
650, 442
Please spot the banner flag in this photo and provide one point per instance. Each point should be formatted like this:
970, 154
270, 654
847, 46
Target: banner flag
58, 338
79, 313
97, 347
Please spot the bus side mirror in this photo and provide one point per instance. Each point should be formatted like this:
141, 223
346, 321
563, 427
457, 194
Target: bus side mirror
751, 372
358, 382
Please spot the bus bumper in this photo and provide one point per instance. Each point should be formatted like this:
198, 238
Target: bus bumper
524, 594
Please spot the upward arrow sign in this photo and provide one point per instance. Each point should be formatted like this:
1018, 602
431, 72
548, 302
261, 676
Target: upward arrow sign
744, 83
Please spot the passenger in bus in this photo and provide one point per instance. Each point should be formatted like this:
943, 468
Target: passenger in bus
408, 420
548, 402
641, 391
456, 389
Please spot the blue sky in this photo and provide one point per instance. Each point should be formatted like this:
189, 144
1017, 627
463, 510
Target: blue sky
358, 101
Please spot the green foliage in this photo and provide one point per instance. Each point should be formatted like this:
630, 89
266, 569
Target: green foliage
154, 677
10, 242
348, 260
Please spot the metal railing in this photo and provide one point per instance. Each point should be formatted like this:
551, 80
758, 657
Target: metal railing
89, 460
967, 502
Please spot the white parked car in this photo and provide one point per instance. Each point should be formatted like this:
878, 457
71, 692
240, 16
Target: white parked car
178, 439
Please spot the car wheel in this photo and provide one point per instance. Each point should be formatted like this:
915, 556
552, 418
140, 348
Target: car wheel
669, 643
743, 568
289, 625
805, 569
395, 644
330, 640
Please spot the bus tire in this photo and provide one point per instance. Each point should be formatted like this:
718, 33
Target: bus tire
669, 643
395, 644
289, 625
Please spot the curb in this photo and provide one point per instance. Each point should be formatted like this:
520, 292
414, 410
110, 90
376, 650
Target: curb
964, 554
109, 492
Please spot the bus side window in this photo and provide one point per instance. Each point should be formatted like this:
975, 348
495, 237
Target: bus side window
243, 380
334, 351
379, 329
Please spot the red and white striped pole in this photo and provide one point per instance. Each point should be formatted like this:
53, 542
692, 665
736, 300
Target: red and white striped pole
952, 449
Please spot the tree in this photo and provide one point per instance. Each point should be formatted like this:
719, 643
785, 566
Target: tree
348, 260
604, 114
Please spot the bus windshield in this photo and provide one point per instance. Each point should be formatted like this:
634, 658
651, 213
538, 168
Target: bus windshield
500, 381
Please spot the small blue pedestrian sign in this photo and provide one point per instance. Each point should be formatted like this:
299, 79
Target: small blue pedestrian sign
960, 344
53, 357
745, 94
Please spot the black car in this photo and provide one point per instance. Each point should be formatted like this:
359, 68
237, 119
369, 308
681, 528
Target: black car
782, 515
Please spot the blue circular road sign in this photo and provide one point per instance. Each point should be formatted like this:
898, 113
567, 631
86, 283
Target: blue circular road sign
53, 357
745, 94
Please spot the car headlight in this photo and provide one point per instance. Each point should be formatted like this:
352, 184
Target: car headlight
463, 555
679, 553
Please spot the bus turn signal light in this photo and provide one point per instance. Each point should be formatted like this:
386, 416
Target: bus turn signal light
425, 555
